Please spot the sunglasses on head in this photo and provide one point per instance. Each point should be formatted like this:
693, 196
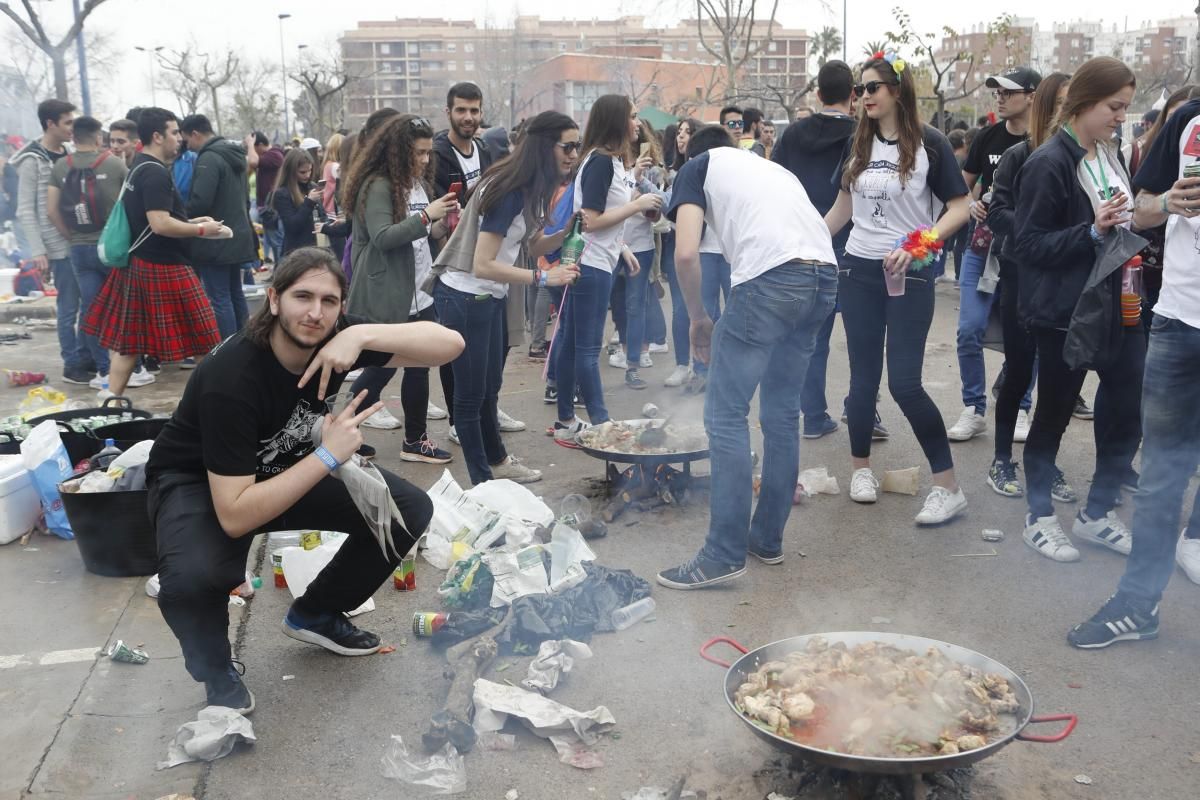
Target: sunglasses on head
733, 123
421, 123
569, 147
871, 87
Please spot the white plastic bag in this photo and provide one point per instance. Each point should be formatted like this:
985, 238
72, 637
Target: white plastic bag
516, 574
301, 566
445, 772
46, 459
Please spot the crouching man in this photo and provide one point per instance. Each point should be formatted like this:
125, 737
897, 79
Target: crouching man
784, 288
237, 457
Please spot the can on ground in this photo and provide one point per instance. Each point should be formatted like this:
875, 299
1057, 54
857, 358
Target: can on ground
426, 623
405, 576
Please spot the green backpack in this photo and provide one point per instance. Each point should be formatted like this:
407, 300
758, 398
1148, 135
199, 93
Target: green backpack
114, 245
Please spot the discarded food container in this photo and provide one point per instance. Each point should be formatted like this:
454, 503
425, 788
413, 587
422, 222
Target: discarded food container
649, 411
247, 587
426, 623
277, 569
574, 511
992, 535
623, 618
902, 481
405, 576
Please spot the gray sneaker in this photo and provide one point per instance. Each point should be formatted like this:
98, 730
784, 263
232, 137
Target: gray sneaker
512, 469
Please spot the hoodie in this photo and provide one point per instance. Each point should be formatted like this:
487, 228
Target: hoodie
811, 149
220, 191
449, 170
34, 164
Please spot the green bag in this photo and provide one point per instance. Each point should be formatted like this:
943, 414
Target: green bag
114, 245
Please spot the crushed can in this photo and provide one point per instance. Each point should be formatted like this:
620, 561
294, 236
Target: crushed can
277, 569
992, 535
405, 576
130, 655
310, 540
426, 623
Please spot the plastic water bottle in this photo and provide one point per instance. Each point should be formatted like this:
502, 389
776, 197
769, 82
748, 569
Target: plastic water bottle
622, 618
106, 456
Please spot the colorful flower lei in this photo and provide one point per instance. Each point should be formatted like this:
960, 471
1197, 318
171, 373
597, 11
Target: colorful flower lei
923, 245
892, 58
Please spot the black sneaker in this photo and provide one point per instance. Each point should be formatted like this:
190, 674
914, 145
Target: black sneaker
229, 691
633, 380
332, 631
1120, 620
1062, 491
425, 451
151, 364
367, 452
539, 353
878, 433
1129, 481
819, 428
1002, 477
1082, 409
550, 396
766, 558
188, 363
699, 573
78, 376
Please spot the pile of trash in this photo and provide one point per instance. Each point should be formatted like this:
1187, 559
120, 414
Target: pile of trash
112, 470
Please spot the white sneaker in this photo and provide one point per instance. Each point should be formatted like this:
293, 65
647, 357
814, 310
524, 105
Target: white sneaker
140, 378
645, 361
453, 436
1187, 555
565, 435
659, 348
617, 360
679, 376
970, 424
435, 412
507, 423
382, 420
616, 338
941, 505
512, 469
1046, 536
1021, 432
99, 382
864, 486
1108, 531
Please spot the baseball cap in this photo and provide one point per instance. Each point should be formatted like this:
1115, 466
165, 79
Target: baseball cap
309, 144
1021, 79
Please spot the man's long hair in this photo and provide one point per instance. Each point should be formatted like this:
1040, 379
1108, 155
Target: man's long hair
298, 263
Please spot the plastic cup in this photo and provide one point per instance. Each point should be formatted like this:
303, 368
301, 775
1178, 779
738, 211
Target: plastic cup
895, 283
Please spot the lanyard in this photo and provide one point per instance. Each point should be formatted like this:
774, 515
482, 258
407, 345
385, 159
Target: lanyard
1101, 184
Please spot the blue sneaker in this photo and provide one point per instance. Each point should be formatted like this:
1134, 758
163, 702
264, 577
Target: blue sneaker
330, 630
820, 427
699, 573
228, 690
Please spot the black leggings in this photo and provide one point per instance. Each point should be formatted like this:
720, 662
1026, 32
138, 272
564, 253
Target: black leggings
1117, 432
871, 317
1020, 354
198, 564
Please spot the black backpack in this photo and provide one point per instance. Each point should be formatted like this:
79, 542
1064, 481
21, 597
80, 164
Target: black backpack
79, 202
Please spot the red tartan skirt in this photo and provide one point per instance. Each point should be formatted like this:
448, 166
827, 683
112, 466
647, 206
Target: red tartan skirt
157, 310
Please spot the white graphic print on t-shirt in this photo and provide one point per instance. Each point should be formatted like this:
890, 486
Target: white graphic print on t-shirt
872, 187
295, 438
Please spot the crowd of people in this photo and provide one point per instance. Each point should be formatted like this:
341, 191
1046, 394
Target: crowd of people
399, 246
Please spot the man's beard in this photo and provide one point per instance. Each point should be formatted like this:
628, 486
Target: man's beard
459, 129
286, 328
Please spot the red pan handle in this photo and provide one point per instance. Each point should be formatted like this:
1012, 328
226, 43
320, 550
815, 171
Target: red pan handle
704, 648
1070, 719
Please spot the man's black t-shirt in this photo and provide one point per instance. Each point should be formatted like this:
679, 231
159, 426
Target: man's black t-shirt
153, 189
986, 151
241, 413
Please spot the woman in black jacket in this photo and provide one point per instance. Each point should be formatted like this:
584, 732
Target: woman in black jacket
1020, 346
297, 201
1073, 192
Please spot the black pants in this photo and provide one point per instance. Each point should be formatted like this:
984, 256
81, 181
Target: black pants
414, 388
1117, 431
1020, 355
198, 564
872, 318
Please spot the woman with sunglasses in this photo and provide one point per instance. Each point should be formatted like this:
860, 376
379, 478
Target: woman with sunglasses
603, 191
476, 268
387, 196
899, 176
1071, 193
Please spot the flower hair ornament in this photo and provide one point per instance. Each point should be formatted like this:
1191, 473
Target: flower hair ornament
923, 244
892, 58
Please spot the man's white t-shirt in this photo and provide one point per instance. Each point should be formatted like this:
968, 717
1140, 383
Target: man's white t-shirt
602, 184
887, 208
508, 220
759, 212
417, 201
469, 165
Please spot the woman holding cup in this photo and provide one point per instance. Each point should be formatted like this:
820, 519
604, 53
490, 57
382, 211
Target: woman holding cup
900, 183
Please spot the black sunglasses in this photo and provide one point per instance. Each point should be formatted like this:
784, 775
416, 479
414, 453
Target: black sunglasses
570, 147
733, 123
871, 87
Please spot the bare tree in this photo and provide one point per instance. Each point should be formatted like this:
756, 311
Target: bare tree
31, 26
256, 104
737, 37
320, 105
624, 75
215, 73
182, 77
36, 70
500, 59
1155, 79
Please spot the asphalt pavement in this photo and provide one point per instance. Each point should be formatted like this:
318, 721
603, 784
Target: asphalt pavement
79, 726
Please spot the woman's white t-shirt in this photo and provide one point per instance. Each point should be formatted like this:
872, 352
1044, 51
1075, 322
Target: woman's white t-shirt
506, 219
417, 201
603, 183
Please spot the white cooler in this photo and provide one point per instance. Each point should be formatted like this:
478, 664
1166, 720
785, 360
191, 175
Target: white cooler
19, 504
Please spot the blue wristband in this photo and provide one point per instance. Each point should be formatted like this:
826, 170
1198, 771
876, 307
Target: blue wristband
327, 458
1096, 236
542, 278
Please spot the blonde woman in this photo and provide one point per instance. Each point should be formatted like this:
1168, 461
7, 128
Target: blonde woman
330, 173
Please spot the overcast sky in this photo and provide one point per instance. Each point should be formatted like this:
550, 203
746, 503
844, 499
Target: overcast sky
252, 27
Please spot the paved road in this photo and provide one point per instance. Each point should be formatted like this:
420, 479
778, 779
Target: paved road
94, 729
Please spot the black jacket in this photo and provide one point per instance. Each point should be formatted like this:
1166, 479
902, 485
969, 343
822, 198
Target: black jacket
220, 190
811, 149
448, 170
1052, 242
298, 222
1002, 210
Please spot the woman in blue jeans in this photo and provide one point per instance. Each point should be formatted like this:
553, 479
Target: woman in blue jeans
470, 296
898, 176
603, 189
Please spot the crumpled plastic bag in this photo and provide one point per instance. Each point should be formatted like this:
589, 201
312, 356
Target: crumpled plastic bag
817, 481
44, 455
516, 574
445, 772
468, 584
214, 734
301, 567
572, 732
554, 659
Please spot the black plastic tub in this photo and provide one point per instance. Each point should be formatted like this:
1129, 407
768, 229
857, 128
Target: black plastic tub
113, 531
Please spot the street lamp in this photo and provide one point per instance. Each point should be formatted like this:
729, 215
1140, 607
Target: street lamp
287, 117
150, 53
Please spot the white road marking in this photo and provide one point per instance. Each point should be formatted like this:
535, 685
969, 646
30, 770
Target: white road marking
8, 662
69, 656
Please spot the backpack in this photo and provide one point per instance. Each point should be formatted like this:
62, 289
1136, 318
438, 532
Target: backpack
114, 244
79, 201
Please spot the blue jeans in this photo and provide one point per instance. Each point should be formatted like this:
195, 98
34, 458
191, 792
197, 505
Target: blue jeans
680, 324
636, 291
974, 307
71, 346
581, 328
223, 285
714, 282
1170, 449
812, 395
478, 373
90, 275
273, 241
765, 337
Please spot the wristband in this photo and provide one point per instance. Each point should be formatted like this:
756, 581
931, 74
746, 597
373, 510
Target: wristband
923, 244
1163, 203
426, 219
327, 458
542, 278
1097, 237
200, 228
